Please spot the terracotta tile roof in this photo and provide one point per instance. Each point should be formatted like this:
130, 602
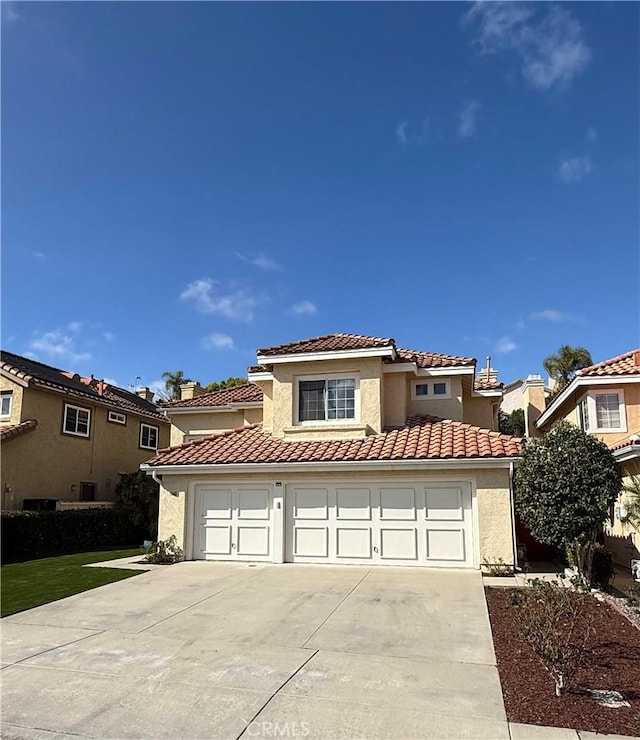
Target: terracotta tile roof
327, 343
422, 438
15, 430
432, 359
488, 385
97, 391
260, 369
626, 364
631, 440
248, 393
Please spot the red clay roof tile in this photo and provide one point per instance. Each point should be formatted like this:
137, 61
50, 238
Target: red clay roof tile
327, 343
16, 430
422, 438
248, 393
626, 364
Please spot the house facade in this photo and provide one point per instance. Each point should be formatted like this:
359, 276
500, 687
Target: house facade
342, 449
65, 438
604, 400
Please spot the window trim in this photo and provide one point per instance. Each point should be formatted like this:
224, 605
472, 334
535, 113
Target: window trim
327, 422
590, 397
65, 431
9, 395
144, 424
123, 422
430, 395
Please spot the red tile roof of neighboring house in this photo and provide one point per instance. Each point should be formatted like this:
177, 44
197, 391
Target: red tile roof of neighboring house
16, 430
249, 393
626, 364
422, 438
631, 440
488, 385
327, 343
433, 359
45, 376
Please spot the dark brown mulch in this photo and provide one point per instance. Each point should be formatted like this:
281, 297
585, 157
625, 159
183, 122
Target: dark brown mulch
612, 663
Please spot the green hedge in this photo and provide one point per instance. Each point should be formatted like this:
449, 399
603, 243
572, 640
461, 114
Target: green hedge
27, 535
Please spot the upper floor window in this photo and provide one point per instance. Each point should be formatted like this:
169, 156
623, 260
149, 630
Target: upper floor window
6, 401
148, 436
602, 412
327, 399
77, 421
426, 389
115, 417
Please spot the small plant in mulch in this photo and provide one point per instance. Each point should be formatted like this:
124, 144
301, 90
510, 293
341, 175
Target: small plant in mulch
556, 622
497, 567
164, 552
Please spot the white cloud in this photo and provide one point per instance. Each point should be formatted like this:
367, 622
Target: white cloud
592, 135
552, 49
74, 326
469, 119
39, 255
108, 336
218, 341
554, 316
575, 169
57, 346
205, 295
260, 260
304, 308
505, 345
9, 13
418, 136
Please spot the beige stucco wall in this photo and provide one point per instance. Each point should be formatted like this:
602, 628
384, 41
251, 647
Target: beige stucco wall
480, 412
211, 422
369, 372
446, 408
16, 405
495, 525
622, 538
45, 463
395, 399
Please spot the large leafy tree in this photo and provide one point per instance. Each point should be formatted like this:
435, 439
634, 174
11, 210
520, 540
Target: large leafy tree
230, 382
564, 487
172, 383
563, 364
138, 495
512, 423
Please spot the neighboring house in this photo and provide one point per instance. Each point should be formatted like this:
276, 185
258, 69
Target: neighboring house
604, 400
343, 449
66, 438
517, 395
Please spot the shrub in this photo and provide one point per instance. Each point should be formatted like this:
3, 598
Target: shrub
497, 567
602, 570
557, 622
138, 494
27, 535
164, 552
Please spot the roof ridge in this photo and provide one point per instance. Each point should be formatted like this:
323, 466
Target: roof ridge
610, 361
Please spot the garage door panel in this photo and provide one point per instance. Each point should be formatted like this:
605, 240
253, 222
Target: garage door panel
216, 540
398, 544
444, 504
398, 504
354, 504
310, 503
311, 542
216, 504
253, 504
446, 544
354, 543
253, 541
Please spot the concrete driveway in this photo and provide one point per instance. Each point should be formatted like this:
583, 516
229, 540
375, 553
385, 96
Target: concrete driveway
204, 650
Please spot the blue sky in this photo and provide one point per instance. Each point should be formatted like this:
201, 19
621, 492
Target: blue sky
185, 182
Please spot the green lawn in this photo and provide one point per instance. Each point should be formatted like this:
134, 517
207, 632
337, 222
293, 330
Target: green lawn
36, 582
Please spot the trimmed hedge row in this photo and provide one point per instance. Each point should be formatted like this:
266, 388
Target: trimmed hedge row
27, 535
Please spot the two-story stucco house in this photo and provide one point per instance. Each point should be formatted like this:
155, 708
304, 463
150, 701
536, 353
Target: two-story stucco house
344, 449
66, 438
604, 400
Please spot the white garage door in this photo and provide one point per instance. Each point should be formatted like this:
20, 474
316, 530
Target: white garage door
233, 523
385, 524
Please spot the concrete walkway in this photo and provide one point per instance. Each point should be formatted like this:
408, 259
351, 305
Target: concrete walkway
205, 650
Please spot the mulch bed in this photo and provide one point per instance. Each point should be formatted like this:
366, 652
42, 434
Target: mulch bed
612, 663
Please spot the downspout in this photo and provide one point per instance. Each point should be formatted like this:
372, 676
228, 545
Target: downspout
513, 518
158, 479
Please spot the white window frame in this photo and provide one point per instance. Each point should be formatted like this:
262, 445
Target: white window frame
143, 425
430, 395
115, 417
327, 422
9, 395
590, 397
84, 410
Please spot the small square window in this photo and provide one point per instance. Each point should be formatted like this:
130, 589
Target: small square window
148, 437
115, 417
6, 400
439, 389
422, 389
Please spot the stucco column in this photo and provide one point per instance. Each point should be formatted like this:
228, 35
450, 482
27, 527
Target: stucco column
278, 522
